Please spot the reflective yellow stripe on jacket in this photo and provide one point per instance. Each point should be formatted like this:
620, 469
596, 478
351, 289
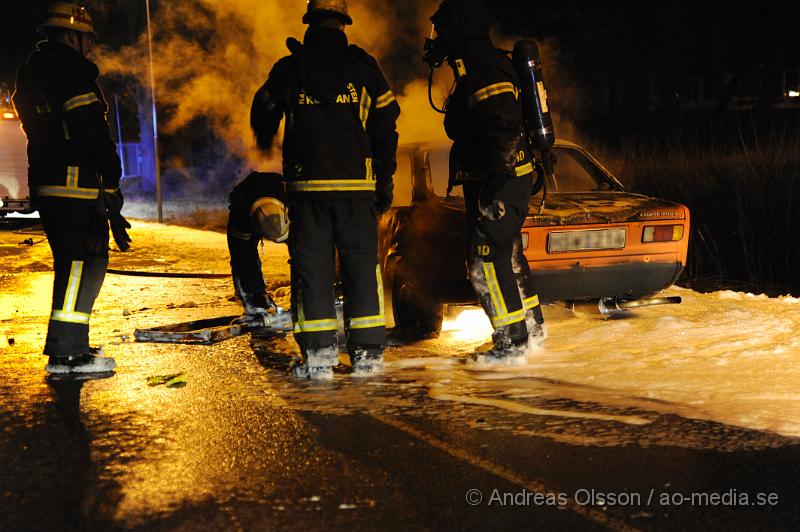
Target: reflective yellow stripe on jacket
363, 110
492, 90
384, 100
53, 191
80, 100
72, 176
331, 185
523, 169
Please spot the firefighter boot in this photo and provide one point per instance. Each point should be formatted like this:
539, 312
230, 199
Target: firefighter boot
366, 359
317, 363
510, 346
537, 331
83, 363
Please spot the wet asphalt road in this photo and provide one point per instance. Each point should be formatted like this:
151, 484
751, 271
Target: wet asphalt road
430, 444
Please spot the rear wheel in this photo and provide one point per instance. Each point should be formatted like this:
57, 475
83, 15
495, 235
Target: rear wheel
417, 312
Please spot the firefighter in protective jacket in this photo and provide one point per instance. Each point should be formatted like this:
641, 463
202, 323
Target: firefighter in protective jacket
494, 164
73, 173
338, 160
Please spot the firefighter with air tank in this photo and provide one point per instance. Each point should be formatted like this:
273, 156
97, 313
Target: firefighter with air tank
338, 160
493, 162
73, 173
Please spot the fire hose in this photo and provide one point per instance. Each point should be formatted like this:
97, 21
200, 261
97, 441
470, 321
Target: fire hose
174, 275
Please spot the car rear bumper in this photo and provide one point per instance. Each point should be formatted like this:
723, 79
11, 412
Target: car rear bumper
628, 281
22, 206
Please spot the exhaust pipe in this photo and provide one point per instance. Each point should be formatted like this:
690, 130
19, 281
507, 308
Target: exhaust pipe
606, 307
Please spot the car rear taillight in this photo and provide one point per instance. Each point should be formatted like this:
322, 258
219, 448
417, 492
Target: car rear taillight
9, 116
662, 233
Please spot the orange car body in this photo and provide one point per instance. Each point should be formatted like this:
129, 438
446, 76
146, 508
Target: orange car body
585, 237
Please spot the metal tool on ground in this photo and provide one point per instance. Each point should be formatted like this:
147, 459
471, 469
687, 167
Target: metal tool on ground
212, 330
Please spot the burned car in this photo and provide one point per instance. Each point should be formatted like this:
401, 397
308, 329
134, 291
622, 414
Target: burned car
14, 193
586, 239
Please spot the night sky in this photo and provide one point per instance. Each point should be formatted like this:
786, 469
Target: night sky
626, 58
696, 35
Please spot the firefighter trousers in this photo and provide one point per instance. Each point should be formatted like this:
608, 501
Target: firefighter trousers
79, 273
319, 228
248, 279
497, 267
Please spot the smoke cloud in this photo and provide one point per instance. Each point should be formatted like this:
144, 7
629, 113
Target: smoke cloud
210, 56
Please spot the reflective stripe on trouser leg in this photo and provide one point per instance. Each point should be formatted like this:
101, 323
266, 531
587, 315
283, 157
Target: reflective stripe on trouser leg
76, 286
305, 328
524, 279
376, 320
499, 314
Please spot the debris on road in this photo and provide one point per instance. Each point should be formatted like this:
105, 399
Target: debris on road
174, 380
213, 330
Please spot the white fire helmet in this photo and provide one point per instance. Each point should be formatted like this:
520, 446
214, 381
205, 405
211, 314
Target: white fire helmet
270, 218
68, 16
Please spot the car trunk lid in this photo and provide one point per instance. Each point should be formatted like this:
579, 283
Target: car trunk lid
579, 208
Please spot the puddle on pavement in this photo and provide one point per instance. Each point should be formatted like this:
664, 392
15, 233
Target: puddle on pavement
431, 379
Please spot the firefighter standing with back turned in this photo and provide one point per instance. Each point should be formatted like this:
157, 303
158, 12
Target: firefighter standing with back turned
494, 164
338, 159
73, 173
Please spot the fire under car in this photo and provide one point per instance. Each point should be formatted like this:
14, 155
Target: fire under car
588, 241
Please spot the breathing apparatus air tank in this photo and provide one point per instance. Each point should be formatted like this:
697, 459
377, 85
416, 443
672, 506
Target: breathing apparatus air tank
538, 123
535, 113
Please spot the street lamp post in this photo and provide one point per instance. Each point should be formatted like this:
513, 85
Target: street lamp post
155, 123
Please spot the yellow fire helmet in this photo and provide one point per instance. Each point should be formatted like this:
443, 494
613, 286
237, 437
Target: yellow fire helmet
336, 7
270, 218
68, 16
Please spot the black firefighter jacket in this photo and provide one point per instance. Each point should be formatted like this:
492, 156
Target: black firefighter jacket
484, 117
63, 115
339, 134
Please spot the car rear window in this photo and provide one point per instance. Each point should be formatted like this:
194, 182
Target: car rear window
574, 172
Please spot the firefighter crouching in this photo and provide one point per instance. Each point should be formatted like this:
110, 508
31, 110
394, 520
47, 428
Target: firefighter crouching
494, 164
338, 158
73, 173
257, 211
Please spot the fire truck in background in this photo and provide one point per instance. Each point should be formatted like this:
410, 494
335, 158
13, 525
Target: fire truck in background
14, 192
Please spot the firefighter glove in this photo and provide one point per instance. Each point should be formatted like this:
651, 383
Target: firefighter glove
490, 204
119, 225
97, 239
383, 196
